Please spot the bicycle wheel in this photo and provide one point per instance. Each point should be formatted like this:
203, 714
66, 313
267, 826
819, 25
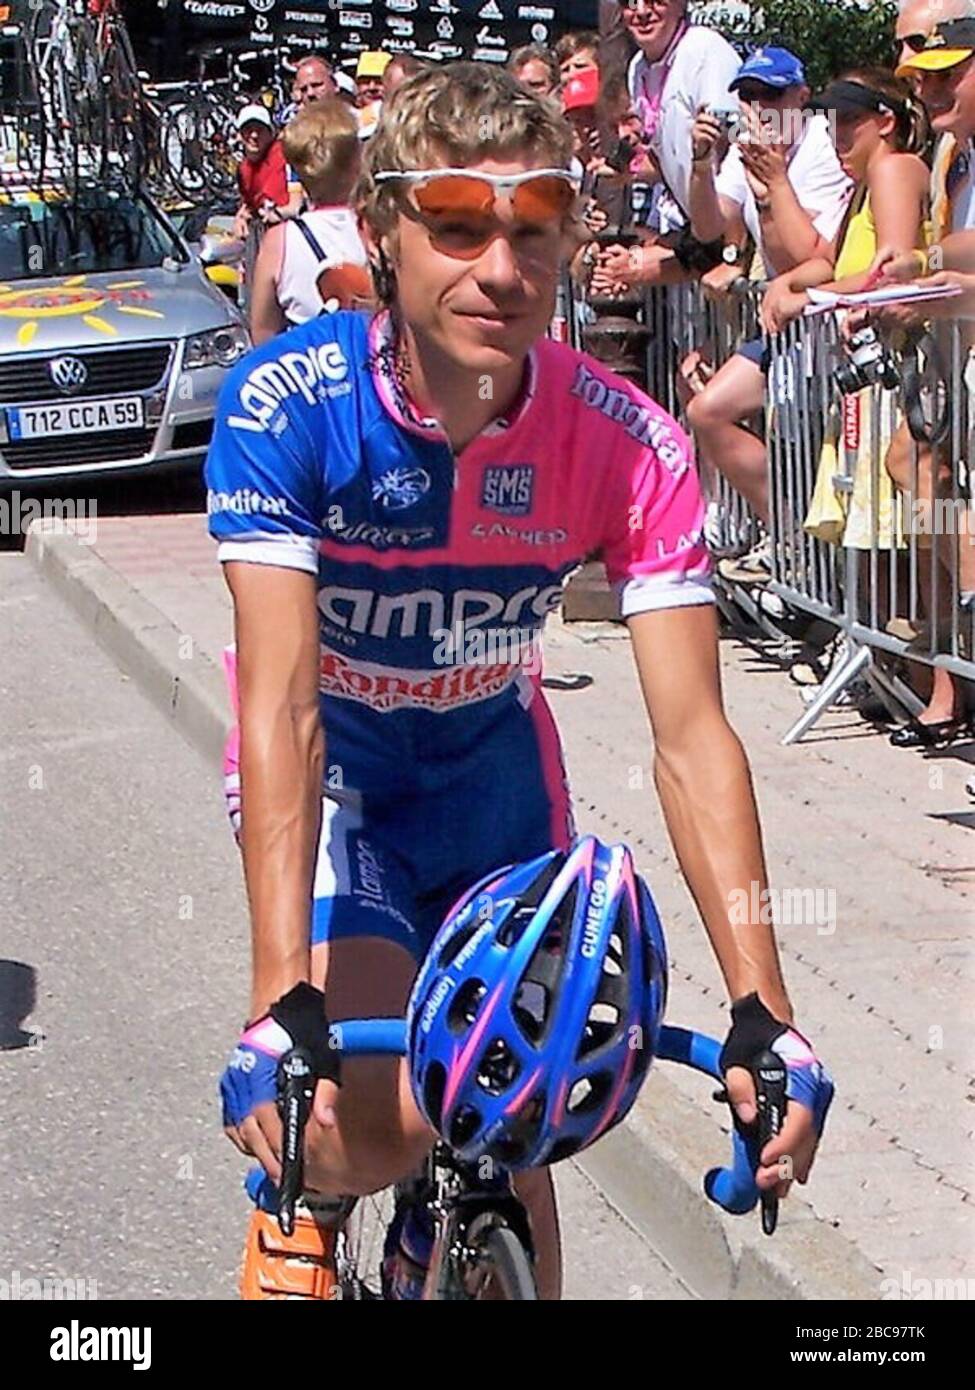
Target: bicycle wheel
488, 1264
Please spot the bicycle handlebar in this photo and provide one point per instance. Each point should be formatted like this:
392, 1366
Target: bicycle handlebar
732, 1188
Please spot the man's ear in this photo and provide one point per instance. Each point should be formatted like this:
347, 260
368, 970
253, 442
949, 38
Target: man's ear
380, 251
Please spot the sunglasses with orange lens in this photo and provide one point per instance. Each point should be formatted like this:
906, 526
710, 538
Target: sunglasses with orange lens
458, 207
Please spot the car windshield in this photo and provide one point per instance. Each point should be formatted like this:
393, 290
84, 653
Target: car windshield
97, 234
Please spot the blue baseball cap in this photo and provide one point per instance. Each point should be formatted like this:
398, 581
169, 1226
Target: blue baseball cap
773, 67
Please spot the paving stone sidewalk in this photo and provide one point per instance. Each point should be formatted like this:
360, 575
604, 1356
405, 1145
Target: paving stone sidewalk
879, 840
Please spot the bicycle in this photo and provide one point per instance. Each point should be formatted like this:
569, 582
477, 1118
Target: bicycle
90, 109
482, 1246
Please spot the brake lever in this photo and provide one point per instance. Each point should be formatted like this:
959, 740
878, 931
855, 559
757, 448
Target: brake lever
296, 1088
769, 1074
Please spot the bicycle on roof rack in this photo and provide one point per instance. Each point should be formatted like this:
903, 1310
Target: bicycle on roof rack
80, 112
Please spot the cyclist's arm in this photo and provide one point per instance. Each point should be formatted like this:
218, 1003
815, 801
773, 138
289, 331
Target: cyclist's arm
265, 502
282, 755
704, 783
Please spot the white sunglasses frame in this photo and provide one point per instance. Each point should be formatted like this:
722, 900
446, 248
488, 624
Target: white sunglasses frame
502, 183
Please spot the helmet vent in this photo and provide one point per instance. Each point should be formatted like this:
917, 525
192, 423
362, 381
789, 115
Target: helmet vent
601, 1027
464, 1125
499, 1068
530, 1009
589, 1093
522, 1133
465, 1004
434, 1084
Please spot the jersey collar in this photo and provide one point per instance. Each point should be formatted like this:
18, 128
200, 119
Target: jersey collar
398, 404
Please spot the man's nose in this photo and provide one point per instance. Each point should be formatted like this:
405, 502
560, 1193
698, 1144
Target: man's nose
498, 264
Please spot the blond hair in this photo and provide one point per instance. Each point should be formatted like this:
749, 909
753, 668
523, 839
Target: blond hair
322, 145
456, 115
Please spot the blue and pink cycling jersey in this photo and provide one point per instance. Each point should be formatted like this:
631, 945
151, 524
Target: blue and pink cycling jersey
435, 573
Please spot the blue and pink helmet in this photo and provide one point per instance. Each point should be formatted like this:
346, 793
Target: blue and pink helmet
537, 1012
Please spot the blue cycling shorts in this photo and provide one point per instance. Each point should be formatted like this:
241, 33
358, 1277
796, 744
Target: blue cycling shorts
418, 809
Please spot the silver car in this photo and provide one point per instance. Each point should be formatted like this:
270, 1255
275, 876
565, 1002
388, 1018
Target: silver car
113, 341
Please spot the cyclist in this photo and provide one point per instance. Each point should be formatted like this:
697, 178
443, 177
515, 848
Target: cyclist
397, 502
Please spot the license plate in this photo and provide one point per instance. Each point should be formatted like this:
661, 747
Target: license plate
75, 417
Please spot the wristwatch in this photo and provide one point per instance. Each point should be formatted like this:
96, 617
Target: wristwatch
731, 255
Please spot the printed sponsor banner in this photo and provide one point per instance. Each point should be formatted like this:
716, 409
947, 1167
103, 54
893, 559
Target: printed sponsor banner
486, 29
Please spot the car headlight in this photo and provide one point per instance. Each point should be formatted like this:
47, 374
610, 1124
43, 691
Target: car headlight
219, 347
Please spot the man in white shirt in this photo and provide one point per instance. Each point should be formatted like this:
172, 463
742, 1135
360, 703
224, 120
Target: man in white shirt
680, 68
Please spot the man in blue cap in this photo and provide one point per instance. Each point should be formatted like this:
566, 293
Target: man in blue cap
781, 186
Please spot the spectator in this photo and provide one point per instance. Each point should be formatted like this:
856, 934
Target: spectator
680, 68
580, 98
400, 70
615, 43
575, 53
781, 184
917, 19
317, 260
312, 82
879, 132
536, 68
369, 74
263, 176
944, 71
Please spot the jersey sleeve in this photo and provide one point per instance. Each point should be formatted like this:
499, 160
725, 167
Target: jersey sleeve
655, 554
264, 490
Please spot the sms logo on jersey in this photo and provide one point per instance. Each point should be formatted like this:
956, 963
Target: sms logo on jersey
509, 490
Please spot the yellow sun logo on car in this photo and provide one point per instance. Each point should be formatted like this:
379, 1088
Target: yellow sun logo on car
74, 297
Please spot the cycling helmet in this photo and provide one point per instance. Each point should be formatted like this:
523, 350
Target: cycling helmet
536, 1015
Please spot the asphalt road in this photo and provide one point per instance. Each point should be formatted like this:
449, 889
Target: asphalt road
123, 957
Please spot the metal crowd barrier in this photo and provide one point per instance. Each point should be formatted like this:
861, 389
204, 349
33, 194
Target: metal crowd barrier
880, 563
890, 576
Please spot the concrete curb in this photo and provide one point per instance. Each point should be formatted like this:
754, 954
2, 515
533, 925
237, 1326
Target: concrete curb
178, 677
651, 1167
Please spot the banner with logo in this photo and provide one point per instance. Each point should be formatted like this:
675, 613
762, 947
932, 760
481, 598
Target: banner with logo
485, 30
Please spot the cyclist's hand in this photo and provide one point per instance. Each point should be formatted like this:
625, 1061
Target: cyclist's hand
809, 1090
249, 1085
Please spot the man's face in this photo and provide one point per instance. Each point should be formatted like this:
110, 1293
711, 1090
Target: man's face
918, 18
368, 90
653, 23
257, 139
585, 60
778, 109
949, 97
535, 77
483, 314
313, 81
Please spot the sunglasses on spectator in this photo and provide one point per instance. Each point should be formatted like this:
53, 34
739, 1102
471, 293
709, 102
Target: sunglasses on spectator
758, 91
633, 5
458, 207
915, 42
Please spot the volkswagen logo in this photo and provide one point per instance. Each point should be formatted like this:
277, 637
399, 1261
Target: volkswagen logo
69, 374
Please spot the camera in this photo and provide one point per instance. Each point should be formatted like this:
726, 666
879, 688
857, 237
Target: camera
868, 363
620, 157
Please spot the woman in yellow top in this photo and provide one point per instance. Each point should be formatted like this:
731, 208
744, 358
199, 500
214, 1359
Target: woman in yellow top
880, 131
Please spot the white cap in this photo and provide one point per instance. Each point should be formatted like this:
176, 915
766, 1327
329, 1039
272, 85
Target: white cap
345, 83
255, 112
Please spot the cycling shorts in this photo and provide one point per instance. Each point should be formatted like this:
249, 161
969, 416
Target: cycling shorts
403, 838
